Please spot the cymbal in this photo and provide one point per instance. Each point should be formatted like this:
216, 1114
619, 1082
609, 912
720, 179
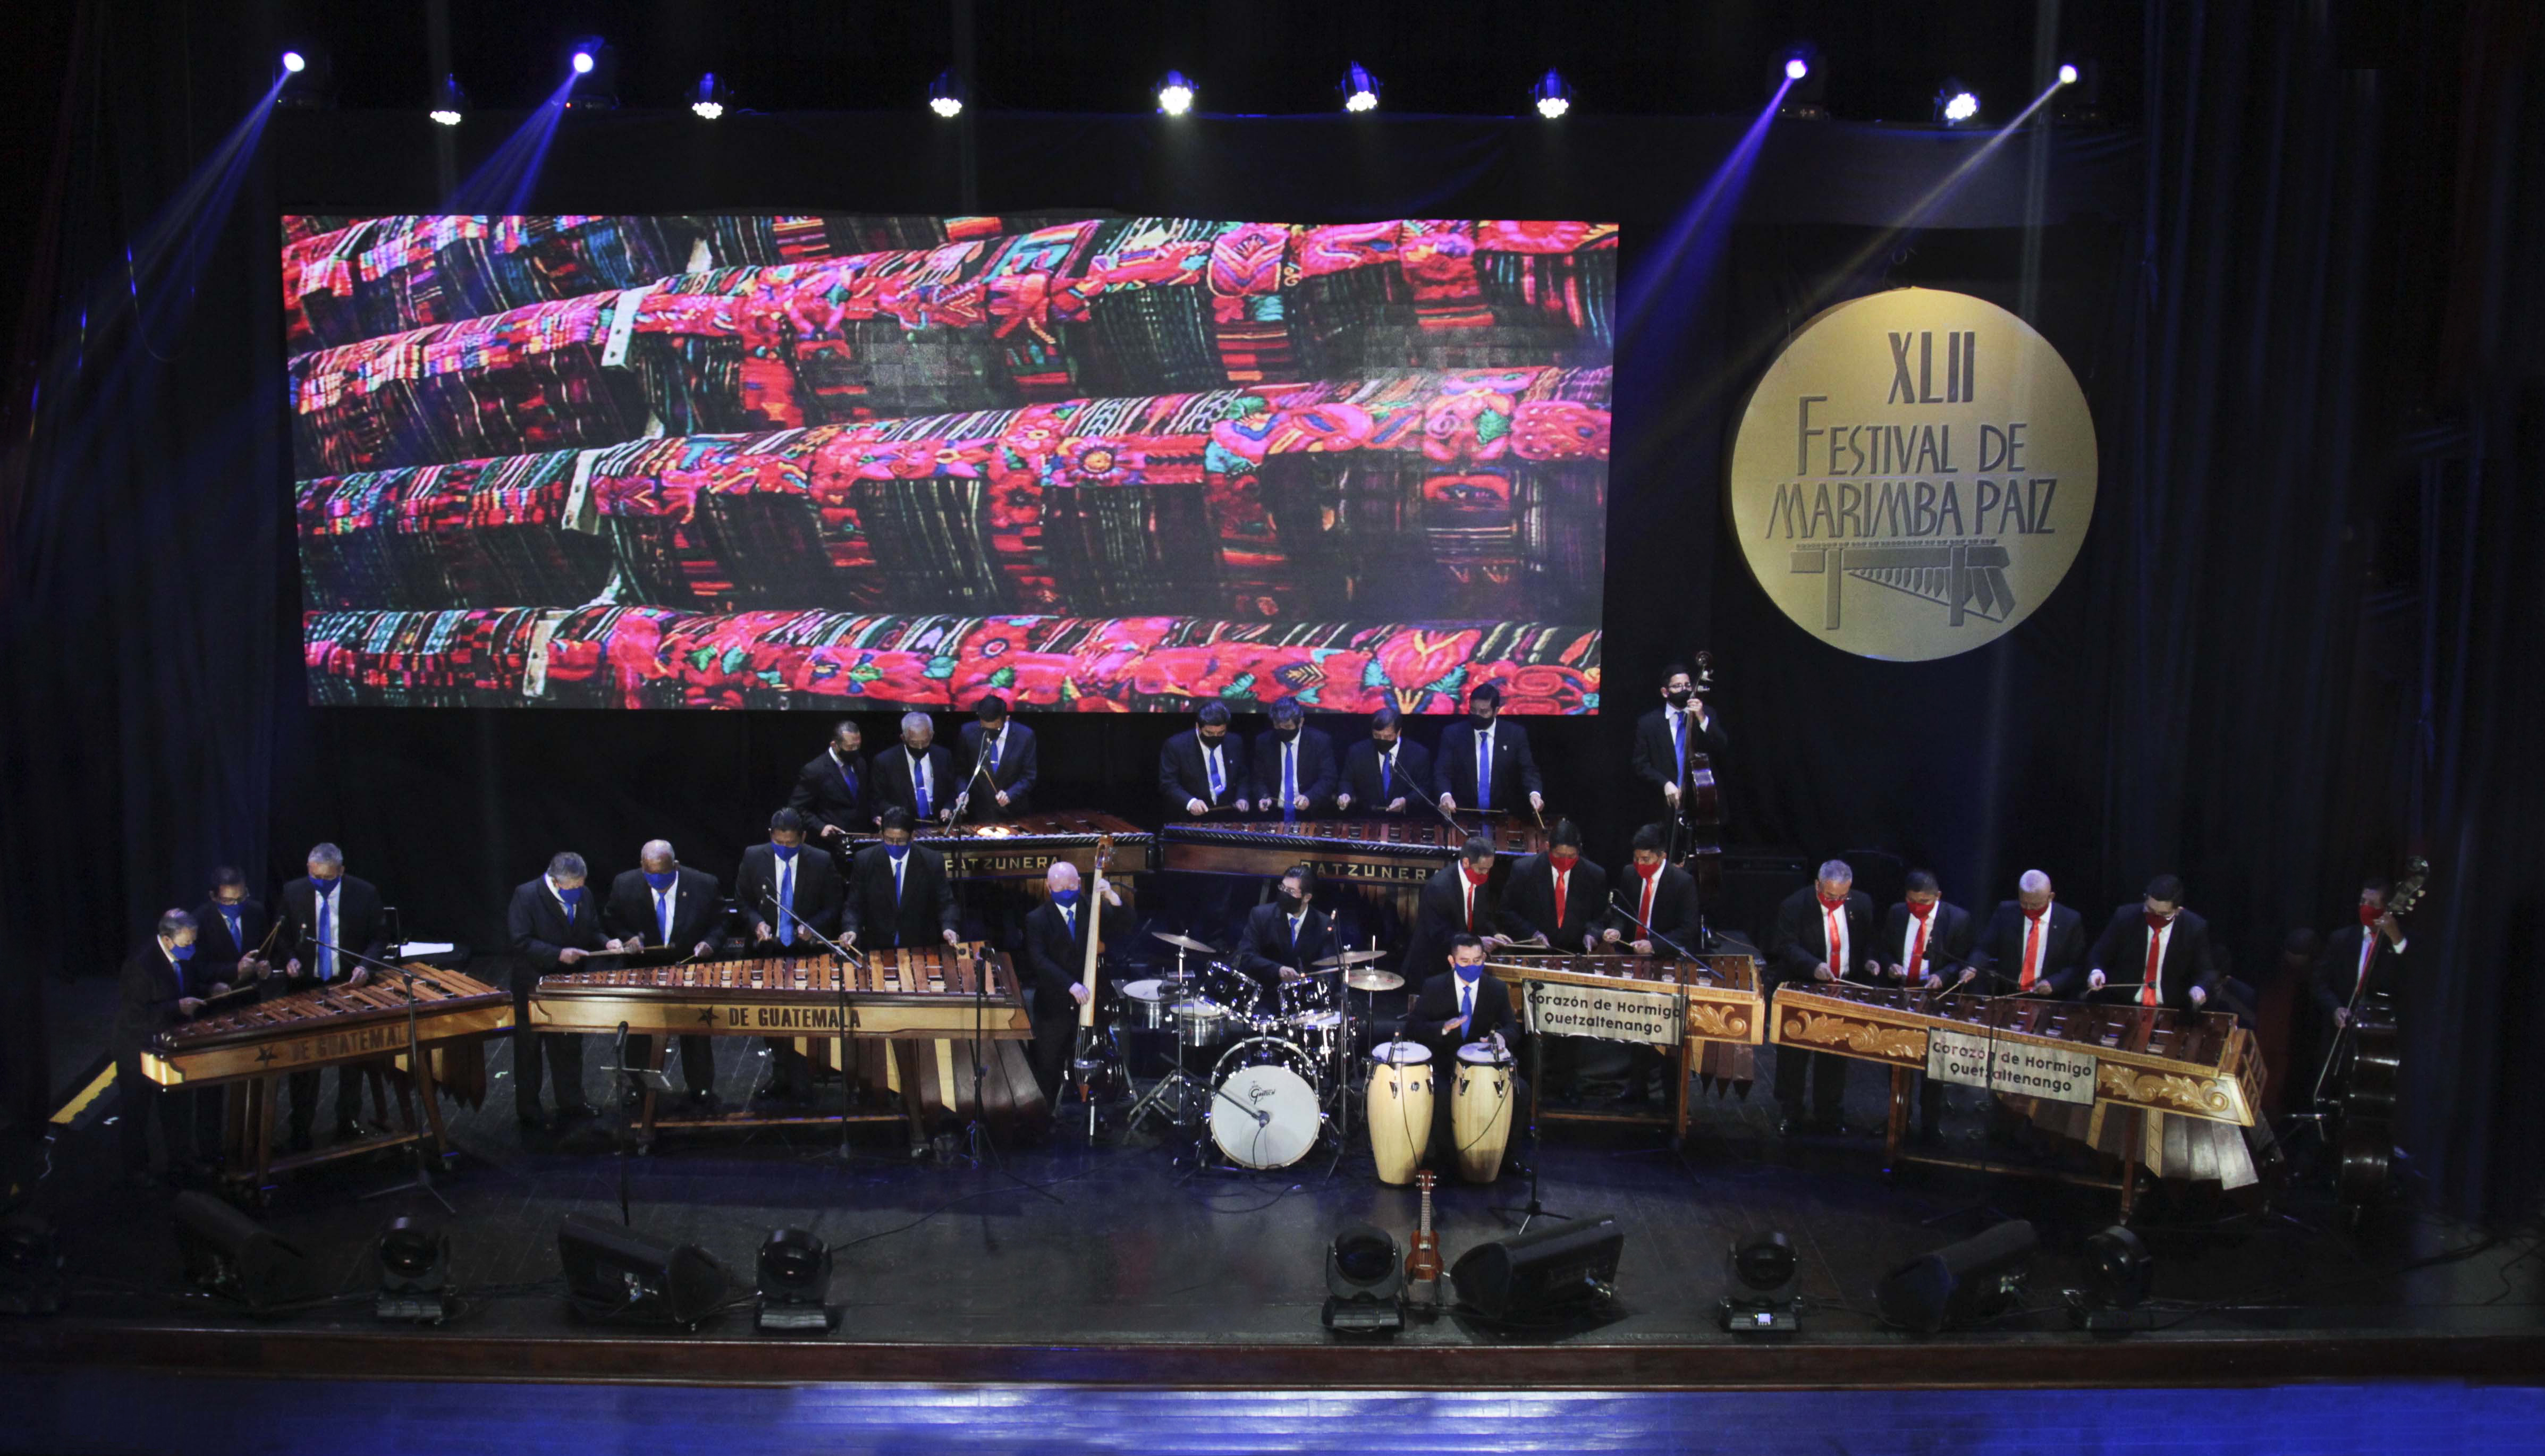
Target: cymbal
1186, 942
1348, 958
1372, 980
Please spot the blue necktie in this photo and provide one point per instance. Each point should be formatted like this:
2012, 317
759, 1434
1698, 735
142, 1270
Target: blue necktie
994, 756
919, 783
1386, 762
786, 902
238, 937
1466, 998
1211, 758
848, 777
1290, 784
1679, 743
1485, 768
326, 940
663, 908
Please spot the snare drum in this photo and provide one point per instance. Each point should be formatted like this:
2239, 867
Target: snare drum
1147, 1006
1399, 1108
1480, 1110
1200, 1022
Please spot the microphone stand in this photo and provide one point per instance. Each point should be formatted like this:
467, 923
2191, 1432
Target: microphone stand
842, 960
421, 1182
1534, 1209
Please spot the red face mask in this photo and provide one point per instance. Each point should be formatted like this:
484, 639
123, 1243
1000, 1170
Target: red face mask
1564, 858
2157, 921
1828, 904
2035, 914
2369, 914
1648, 870
1921, 911
1476, 878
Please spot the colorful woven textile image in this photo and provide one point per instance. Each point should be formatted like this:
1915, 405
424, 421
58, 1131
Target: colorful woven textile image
1093, 463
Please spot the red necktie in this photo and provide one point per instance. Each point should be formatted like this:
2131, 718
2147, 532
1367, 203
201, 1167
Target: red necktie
2155, 965
1835, 956
1559, 897
1646, 917
2031, 950
1918, 951
1470, 887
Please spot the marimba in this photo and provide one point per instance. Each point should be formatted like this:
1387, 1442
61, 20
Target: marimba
247, 1051
1023, 848
1724, 1013
2183, 1085
908, 997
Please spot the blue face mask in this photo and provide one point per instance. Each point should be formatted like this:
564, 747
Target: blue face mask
1471, 974
572, 898
181, 954
896, 851
325, 882
663, 881
786, 851
1064, 897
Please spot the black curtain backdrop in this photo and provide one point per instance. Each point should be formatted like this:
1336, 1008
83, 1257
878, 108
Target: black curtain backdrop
2245, 287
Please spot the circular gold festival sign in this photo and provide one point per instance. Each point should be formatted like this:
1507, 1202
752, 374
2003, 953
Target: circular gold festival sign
1913, 475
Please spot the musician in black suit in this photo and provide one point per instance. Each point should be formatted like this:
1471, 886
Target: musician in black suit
999, 753
1558, 895
1287, 932
783, 890
1054, 959
835, 792
553, 923
325, 914
153, 996
1823, 932
2154, 953
231, 931
664, 903
1654, 896
2359, 960
917, 775
1666, 735
1926, 942
1497, 749
1464, 1003
1384, 774
1454, 901
1205, 770
2032, 943
898, 893
1298, 757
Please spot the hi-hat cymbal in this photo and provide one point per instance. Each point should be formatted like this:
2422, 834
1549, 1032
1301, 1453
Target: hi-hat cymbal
1372, 980
1186, 942
1346, 958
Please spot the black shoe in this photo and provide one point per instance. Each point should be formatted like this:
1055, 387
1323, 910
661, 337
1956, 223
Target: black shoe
530, 1118
700, 1100
579, 1113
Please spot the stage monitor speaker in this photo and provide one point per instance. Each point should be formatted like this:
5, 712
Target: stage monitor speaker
613, 1273
1960, 1282
1547, 1270
236, 1258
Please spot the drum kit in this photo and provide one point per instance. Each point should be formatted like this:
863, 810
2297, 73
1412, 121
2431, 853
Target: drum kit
1259, 1072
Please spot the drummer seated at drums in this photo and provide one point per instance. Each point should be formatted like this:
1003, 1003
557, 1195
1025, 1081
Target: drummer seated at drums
1288, 934
1464, 1005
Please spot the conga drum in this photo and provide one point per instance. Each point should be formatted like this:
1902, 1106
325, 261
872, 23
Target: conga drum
1480, 1110
1400, 1107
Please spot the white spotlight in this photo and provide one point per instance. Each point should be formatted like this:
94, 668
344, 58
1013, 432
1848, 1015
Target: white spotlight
1552, 95
944, 97
709, 104
292, 62
1361, 90
1797, 68
450, 103
2066, 75
1174, 94
1955, 106
583, 62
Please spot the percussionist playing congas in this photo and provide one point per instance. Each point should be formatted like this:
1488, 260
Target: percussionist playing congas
1463, 1005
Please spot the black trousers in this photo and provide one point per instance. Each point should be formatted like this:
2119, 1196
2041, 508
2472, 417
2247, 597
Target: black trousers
1054, 1039
303, 1087
1828, 1074
139, 1102
698, 1059
561, 1054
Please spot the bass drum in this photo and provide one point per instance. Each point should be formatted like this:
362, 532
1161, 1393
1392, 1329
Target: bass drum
1263, 1104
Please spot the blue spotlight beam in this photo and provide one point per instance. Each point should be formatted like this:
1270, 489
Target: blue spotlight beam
1704, 224
503, 183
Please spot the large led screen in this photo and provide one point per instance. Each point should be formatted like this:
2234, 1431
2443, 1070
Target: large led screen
1090, 463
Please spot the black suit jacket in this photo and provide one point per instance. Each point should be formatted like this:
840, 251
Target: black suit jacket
1799, 939
1411, 778
892, 783
1515, 771
1528, 905
1055, 954
2337, 973
150, 989
830, 792
1018, 765
925, 909
1948, 943
539, 927
1180, 776
359, 927
1429, 1018
1656, 761
698, 910
817, 892
1440, 915
1999, 950
2122, 955
217, 956
1314, 775
1265, 947
1674, 908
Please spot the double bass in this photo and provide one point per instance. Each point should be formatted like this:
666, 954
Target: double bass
2366, 1149
1697, 832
